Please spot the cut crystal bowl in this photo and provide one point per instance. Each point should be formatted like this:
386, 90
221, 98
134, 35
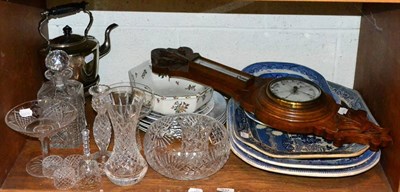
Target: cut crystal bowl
186, 146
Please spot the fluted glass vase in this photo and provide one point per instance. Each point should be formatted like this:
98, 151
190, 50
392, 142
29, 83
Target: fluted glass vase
126, 166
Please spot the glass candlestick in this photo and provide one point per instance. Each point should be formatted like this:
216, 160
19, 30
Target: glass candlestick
101, 125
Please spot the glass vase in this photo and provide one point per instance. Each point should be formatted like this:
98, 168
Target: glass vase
126, 166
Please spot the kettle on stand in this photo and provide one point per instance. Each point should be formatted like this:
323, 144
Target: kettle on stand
84, 51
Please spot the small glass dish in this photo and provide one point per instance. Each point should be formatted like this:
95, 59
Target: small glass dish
186, 146
50, 164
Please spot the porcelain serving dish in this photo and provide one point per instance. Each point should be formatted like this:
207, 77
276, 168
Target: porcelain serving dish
171, 95
334, 163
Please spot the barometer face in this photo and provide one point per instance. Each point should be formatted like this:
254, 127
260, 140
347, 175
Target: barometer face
294, 90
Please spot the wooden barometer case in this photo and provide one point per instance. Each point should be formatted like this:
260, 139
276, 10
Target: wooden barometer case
293, 105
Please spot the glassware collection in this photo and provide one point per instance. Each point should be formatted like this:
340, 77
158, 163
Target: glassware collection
177, 144
58, 119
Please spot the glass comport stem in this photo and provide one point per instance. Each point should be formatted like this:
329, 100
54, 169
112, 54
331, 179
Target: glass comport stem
45, 145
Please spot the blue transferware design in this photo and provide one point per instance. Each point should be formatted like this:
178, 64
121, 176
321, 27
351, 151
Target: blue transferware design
371, 162
282, 69
351, 97
335, 163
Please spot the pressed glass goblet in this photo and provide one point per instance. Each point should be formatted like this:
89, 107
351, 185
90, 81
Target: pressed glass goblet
101, 125
40, 119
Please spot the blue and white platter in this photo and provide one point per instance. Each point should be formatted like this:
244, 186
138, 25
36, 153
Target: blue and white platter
338, 163
370, 163
277, 144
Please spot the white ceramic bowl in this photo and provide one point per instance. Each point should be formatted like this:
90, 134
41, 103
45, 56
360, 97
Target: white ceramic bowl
171, 95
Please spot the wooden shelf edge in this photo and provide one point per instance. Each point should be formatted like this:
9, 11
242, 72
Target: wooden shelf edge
235, 174
335, 1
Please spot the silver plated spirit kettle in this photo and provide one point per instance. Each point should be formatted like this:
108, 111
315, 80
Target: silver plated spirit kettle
84, 51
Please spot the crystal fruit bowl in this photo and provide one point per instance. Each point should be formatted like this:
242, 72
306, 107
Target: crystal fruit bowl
186, 146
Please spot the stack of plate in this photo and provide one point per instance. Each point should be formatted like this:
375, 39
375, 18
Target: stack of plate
296, 154
215, 108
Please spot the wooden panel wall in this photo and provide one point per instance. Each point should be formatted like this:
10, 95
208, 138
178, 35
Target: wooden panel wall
20, 71
221, 6
378, 76
32, 3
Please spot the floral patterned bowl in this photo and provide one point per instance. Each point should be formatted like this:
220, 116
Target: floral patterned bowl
171, 95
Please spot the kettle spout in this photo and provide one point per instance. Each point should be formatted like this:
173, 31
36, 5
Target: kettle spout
106, 46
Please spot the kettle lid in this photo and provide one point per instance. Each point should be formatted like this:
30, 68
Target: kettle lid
68, 39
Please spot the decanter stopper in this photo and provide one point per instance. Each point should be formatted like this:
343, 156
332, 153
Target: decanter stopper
57, 62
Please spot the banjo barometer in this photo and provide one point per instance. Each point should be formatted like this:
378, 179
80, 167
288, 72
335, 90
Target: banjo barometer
294, 105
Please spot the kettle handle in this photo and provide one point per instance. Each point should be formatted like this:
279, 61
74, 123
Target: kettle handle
62, 11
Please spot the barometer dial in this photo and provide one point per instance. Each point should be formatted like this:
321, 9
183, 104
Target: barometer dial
294, 90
